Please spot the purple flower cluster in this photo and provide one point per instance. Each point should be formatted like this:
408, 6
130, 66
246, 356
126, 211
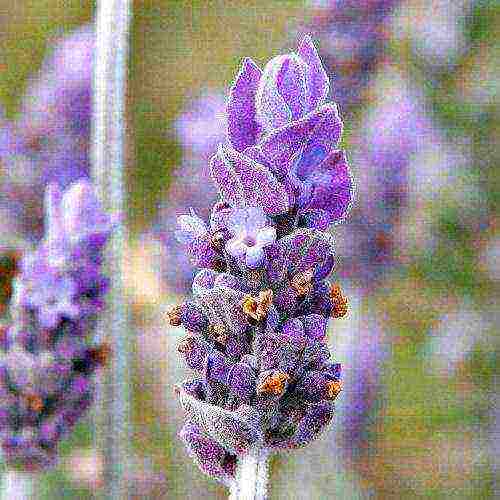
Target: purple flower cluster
49, 141
395, 129
257, 318
47, 360
353, 36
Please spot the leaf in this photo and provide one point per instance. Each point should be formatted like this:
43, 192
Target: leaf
223, 305
236, 431
243, 182
306, 249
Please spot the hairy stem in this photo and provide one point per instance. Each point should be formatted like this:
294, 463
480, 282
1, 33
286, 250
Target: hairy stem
110, 74
251, 476
18, 485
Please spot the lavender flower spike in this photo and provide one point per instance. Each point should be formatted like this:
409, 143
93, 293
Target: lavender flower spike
257, 320
47, 360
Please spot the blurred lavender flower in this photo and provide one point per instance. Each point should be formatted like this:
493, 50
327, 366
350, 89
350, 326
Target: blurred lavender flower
49, 141
199, 129
440, 39
353, 35
202, 125
395, 130
257, 325
364, 355
47, 361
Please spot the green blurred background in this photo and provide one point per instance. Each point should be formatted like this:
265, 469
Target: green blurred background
431, 432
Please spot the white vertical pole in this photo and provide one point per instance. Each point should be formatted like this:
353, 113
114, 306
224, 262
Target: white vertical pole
108, 146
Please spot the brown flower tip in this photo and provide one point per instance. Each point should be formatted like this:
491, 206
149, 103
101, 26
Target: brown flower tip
274, 384
34, 402
4, 329
302, 282
219, 332
9, 267
339, 301
256, 308
333, 389
217, 240
101, 354
185, 345
174, 316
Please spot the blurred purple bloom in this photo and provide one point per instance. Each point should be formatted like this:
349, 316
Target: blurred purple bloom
47, 366
49, 141
59, 99
353, 39
202, 125
395, 130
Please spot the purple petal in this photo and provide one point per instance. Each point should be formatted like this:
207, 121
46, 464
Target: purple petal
242, 182
254, 257
272, 109
235, 247
317, 80
336, 195
315, 326
209, 455
242, 380
266, 236
291, 84
322, 128
243, 129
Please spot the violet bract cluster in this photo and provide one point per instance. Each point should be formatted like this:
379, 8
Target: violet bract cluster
257, 319
47, 358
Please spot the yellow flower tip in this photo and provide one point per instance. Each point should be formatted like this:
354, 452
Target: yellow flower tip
339, 301
274, 384
302, 282
218, 332
257, 308
333, 389
174, 316
250, 306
